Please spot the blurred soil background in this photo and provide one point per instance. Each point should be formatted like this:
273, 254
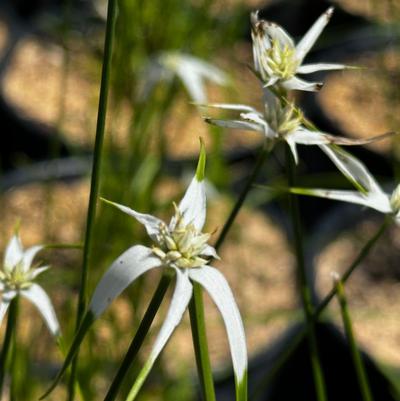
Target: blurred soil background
53, 80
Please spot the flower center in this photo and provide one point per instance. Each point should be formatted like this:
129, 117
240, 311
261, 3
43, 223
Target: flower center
283, 120
15, 278
281, 60
182, 245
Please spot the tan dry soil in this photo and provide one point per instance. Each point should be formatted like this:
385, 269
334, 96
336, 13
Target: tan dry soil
373, 291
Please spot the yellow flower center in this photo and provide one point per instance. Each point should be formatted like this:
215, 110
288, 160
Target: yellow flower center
15, 278
281, 60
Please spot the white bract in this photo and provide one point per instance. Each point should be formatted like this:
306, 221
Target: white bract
370, 193
192, 71
182, 247
277, 59
17, 278
281, 123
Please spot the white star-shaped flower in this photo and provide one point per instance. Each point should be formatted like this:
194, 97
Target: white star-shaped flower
182, 247
369, 192
192, 71
282, 123
17, 278
278, 60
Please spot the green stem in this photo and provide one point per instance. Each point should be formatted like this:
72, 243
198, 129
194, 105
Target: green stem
11, 326
196, 311
13, 362
304, 287
355, 353
95, 177
63, 246
360, 257
242, 196
325, 302
139, 337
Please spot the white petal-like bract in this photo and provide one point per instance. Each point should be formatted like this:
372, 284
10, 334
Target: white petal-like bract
369, 200
306, 137
4, 304
29, 255
122, 272
310, 68
236, 124
296, 83
151, 223
13, 253
36, 295
311, 36
179, 303
193, 204
353, 169
231, 106
216, 285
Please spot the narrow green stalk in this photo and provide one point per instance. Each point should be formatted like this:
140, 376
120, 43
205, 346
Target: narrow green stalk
242, 196
196, 308
7, 344
355, 353
139, 337
196, 312
95, 177
13, 361
63, 246
325, 302
304, 287
360, 257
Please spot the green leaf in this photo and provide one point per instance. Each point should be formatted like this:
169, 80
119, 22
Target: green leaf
201, 164
87, 321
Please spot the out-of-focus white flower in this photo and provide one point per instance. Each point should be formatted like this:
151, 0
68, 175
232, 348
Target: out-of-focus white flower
281, 123
17, 278
370, 193
277, 59
192, 71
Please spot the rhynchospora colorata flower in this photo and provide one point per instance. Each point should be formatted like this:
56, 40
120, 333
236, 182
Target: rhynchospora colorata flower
277, 59
282, 122
182, 247
369, 192
18, 278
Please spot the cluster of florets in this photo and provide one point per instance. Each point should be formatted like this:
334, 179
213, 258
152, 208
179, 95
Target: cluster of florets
181, 244
16, 277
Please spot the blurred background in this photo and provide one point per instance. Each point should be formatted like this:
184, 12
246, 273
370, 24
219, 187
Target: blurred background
50, 63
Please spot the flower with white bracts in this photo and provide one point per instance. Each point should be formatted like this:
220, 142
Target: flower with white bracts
181, 247
17, 278
191, 70
282, 123
278, 60
369, 192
